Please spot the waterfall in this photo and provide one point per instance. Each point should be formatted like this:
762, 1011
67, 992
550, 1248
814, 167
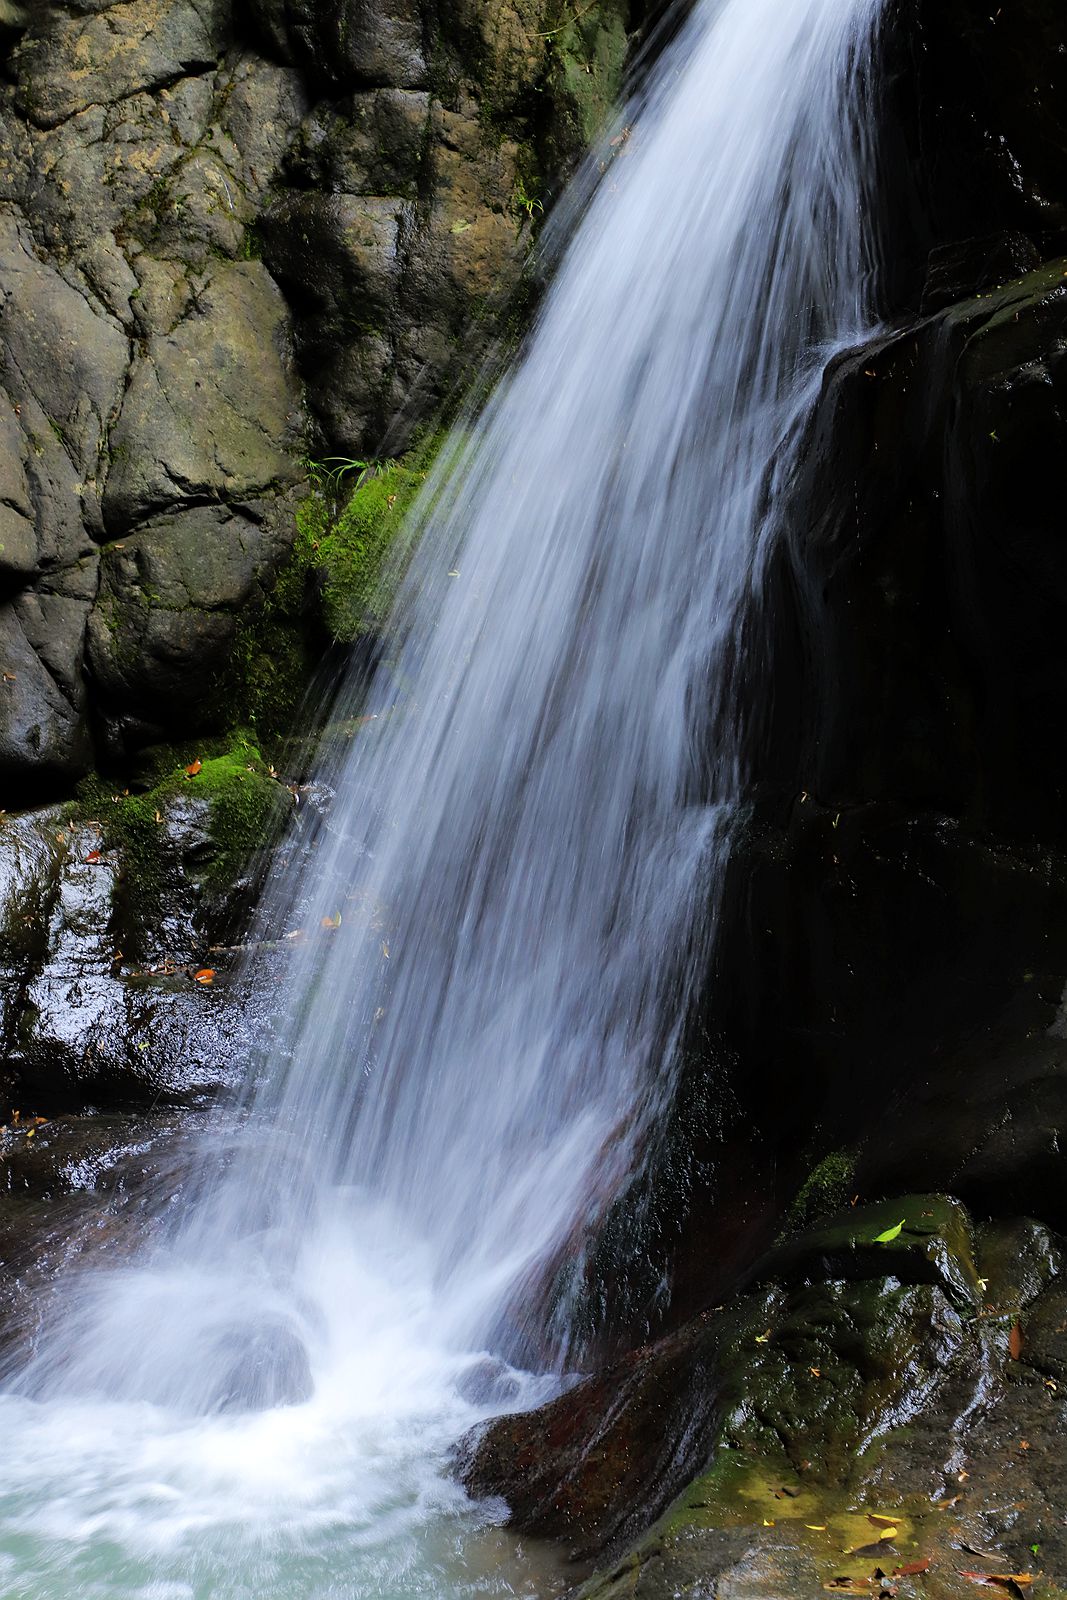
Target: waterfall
508, 902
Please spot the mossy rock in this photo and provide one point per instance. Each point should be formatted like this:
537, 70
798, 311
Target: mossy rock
350, 552
839, 1333
332, 595
825, 1190
924, 1238
587, 63
192, 819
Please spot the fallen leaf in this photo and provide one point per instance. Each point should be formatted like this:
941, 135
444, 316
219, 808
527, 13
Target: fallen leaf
768, 1523
192, 770
206, 975
816, 1527
1015, 1341
911, 1569
92, 858
883, 1522
331, 922
890, 1233
1003, 1580
763, 1338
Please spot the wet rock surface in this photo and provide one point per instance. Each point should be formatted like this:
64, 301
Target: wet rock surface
110, 907
80, 1190
892, 1361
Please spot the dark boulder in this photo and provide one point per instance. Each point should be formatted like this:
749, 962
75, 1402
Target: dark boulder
850, 1411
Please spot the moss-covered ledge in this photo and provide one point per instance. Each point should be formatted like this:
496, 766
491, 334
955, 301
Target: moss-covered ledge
191, 816
896, 1363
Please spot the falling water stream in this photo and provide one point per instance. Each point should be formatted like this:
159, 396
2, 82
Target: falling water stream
523, 851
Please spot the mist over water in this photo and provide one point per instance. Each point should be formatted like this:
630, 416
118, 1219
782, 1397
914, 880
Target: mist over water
523, 850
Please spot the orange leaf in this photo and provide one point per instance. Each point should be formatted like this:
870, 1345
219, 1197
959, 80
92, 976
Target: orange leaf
332, 922
1004, 1580
1015, 1341
92, 858
191, 772
205, 976
911, 1569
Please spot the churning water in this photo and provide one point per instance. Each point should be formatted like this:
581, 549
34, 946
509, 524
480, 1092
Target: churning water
523, 854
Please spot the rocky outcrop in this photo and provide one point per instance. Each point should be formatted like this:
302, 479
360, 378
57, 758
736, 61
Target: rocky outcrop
883, 1396
110, 907
232, 241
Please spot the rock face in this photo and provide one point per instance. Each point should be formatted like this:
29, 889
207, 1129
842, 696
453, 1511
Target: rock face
108, 909
975, 135
232, 239
870, 1406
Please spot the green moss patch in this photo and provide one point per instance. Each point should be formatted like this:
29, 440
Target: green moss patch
349, 550
587, 61
825, 1190
238, 807
335, 589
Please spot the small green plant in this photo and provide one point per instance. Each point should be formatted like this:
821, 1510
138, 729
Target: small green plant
333, 472
526, 204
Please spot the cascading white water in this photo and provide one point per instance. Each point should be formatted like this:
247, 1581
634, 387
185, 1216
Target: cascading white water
523, 854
